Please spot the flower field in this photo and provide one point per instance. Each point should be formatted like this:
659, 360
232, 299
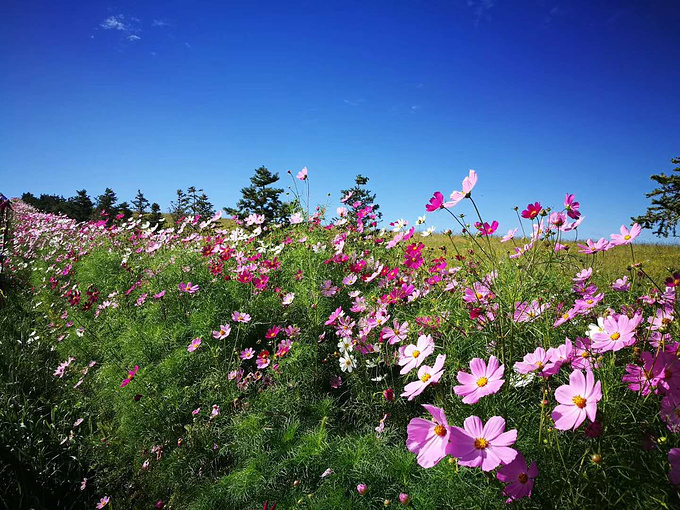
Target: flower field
326, 364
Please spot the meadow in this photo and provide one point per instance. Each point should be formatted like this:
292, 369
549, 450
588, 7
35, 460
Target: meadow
327, 364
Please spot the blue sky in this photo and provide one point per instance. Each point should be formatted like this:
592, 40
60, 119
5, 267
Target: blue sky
540, 97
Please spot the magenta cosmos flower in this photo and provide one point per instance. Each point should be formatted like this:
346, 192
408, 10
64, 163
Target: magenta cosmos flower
626, 236
619, 332
484, 380
426, 376
436, 202
532, 211
519, 478
131, 375
429, 439
195, 344
577, 399
189, 288
486, 446
411, 356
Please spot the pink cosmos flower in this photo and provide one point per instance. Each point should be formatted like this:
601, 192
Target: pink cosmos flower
263, 359
646, 378
674, 461
131, 375
411, 356
397, 334
510, 235
519, 478
243, 318
188, 287
468, 184
486, 229
426, 376
582, 357
196, 411
77, 422
619, 332
215, 411
429, 439
594, 247
670, 411
626, 236
103, 502
362, 488
223, 332
195, 343
572, 206
484, 380
334, 316
302, 174
532, 211
159, 295
577, 399
532, 362
583, 275
621, 284
247, 353
486, 446
558, 356
288, 299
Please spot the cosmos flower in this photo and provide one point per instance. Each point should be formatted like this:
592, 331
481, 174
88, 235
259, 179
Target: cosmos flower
429, 439
486, 446
577, 399
484, 380
519, 478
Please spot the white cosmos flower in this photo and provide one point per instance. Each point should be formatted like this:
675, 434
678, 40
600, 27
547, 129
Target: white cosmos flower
345, 345
347, 362
595, 328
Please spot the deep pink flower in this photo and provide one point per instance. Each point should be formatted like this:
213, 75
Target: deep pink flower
532, 211
484, 380
646, 378
486, 446
131, 375
577, 399
436, 202
426, 376
519, 478
486, 229
429, 439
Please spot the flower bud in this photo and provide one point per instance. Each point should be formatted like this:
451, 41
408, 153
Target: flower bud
362, 489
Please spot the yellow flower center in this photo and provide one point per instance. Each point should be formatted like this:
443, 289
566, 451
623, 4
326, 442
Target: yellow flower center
585, 354
416, 353
615, 336
523, 478
579, 401
425, 377
440, 430
590, 301
481, 443
539, 365
565, 316
479, 296
627, 237
482, 381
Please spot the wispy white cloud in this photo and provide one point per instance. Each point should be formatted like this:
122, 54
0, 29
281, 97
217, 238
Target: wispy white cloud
480, 8
353, 102
160, 23
187, 45
133, 37
114, 23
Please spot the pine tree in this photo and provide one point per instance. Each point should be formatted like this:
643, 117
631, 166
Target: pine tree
155, 216
359, 197
664, 213
140, 203
106, 203
124, 209
80, 206
180, 207
260, 198
203, 207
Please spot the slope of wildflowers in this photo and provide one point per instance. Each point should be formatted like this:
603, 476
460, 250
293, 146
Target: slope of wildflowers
331, 365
